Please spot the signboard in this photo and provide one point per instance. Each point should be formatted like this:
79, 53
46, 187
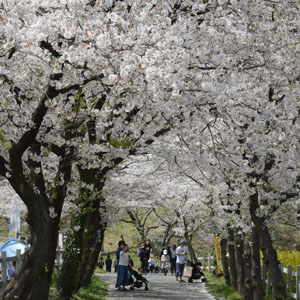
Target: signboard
217, 243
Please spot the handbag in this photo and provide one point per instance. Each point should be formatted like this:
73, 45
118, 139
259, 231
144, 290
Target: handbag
187, 272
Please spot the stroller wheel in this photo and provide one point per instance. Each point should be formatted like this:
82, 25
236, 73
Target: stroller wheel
132, 288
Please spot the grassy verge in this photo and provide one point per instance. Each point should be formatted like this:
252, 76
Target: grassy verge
98, 290
218, 288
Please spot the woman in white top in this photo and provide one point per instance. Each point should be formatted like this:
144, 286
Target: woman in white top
122, 279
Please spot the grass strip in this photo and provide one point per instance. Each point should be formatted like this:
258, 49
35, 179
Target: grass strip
219, 289
98, 290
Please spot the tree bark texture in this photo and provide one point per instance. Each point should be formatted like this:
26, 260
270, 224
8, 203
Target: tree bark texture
240, 263
225, 261
248, 273
232, 260
92, 244
270, 255
258, 287
188, 240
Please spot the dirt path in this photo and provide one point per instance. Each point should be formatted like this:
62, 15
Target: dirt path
160, 288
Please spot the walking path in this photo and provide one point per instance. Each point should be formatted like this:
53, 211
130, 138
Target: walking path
160, 288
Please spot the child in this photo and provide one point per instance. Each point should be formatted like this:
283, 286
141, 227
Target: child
122, 279
151, 264
139, 279
130, 261
164, 262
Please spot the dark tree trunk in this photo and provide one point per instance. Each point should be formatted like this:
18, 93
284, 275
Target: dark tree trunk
248, 274
269, 253
33, 280
240, 264
273, 266
92, 244
232, 260
258, 288
225, 261
188, 239
168, 234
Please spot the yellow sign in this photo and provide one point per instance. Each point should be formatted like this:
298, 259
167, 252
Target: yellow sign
217, 243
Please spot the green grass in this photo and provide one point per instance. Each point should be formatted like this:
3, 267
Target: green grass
218, 288
98, 290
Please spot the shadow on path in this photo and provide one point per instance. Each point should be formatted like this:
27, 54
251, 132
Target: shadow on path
160, 288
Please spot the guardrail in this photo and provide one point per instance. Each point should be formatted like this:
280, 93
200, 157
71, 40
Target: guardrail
208, 261
4, 280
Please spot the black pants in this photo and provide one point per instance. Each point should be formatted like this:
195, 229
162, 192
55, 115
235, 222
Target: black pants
173, 265
108, 268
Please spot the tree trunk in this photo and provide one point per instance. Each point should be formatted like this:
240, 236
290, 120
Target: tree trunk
67, 280
272, 263
33, 280
258, 288
232, 260
248, 274
225, 261
92, 244
270, 255
86, 277
188, 240
168, 234
240, 264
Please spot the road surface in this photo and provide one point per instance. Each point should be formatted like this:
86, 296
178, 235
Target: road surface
160, 288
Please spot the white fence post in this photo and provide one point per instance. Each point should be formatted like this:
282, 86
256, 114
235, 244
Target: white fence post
209, 262
203, 264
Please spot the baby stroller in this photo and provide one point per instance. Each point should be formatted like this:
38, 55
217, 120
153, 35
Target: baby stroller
137, 280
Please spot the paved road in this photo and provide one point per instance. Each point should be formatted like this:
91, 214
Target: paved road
160, 288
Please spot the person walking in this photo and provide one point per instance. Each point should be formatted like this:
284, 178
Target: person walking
122, 279
108, 263
181, 253
173, 259
118, 251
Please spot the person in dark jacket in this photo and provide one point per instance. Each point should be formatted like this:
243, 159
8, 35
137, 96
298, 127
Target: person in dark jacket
145, 252
108, 263
196, 272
